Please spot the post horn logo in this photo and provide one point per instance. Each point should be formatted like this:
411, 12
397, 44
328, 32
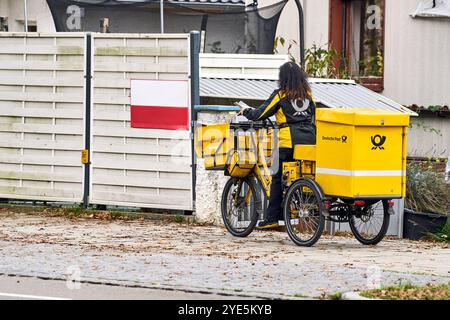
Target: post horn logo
378, 142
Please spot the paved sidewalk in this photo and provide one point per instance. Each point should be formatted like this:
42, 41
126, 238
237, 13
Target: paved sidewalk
158, 254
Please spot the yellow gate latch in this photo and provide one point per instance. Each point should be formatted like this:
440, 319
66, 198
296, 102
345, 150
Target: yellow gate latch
85, 156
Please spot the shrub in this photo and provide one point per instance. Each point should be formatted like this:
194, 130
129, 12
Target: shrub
442, 236
426, 190
179, 218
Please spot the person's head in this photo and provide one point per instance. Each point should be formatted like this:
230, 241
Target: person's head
293, 81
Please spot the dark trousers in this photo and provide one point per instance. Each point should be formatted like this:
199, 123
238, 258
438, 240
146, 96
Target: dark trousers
274, 211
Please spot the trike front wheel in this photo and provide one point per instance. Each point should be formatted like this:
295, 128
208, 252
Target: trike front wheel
303, 213
370, 224
239, 206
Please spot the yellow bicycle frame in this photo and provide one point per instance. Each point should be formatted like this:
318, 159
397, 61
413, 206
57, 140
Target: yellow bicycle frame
261, 171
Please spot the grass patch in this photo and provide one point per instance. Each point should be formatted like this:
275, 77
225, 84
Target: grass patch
335, 296
75, 212
410, 292
79, 212
299, 295
71, 212
121, 215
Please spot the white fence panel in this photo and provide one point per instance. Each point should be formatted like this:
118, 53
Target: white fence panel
41, 116
241, 66
129, 166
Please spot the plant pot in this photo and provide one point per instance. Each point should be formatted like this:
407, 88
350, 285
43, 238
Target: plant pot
373, 83
417, 224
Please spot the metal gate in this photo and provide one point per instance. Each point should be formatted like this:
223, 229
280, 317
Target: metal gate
137, 167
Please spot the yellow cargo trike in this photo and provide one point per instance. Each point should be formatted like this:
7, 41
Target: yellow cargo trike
352, 174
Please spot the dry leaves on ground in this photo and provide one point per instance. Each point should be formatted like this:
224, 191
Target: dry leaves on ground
409, 292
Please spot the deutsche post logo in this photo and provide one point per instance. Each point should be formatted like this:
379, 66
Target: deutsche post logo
378, 142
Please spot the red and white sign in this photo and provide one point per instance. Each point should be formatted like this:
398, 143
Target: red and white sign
160, 104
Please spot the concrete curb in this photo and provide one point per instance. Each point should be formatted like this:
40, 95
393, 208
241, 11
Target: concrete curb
160, 286
354, 296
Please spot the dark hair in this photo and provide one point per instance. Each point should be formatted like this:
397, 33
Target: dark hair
293, 82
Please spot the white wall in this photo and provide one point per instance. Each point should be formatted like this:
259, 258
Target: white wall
317, 20
3, 8
43, 16
246, 66
429, 136
417, 71
417, 63
316, 23
38, 14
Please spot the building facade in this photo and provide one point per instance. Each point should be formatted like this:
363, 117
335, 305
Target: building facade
379, 42
409, 55
39, 16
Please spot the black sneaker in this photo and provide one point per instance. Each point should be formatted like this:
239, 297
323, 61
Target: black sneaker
266, 224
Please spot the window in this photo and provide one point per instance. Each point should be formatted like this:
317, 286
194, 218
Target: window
366, 38
3, 24
357, 34
32, 25
32, 28
433, 9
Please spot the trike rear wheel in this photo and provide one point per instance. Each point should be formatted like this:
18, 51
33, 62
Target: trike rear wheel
303, 213
240, 204
370, 224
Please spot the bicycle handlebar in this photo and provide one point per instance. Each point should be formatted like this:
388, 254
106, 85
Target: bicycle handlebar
254, 125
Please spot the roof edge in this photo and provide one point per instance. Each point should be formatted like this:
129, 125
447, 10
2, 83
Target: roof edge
267, 77
322, 80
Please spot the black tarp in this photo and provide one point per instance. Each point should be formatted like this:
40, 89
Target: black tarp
227, 29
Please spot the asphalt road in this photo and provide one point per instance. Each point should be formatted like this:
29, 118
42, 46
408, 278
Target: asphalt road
24, 288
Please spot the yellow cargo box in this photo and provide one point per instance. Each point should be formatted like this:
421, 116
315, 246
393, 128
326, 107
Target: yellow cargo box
361, 153
305, 152
214, 143
223, 147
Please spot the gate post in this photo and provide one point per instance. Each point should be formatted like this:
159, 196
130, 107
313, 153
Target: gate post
86, 154
195, 100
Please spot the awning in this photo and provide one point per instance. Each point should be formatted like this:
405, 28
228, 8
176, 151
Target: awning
433, 9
